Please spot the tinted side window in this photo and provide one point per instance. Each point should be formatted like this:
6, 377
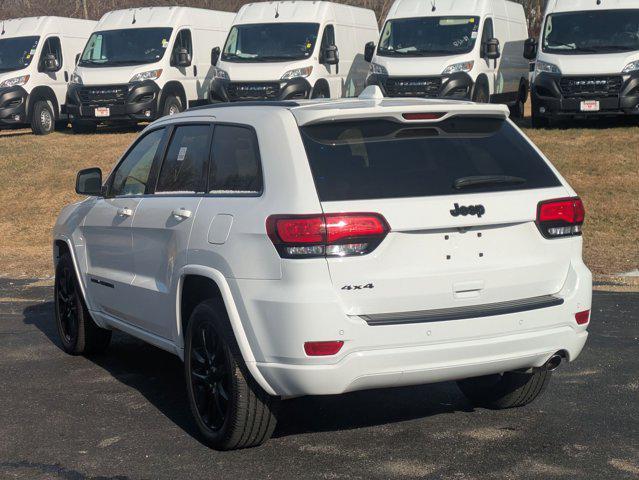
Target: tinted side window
235, 164
52, 46
487, 33
183, 40
329, 36
184, 168
132, 175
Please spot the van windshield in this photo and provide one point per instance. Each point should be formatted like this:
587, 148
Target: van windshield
17, 53
131, 46
379, 158
270, 42
428, 36
601, 31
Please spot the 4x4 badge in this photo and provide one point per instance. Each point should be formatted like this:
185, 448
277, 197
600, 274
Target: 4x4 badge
478, 210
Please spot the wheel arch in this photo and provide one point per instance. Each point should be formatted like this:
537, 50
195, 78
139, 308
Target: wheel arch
322, 82
524, 84
43, 92
214, 283
172, 88
63, 245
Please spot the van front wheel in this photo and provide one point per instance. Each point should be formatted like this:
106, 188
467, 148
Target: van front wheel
172, 106
43, 118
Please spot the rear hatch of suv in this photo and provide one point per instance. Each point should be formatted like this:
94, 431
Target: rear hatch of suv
460, 196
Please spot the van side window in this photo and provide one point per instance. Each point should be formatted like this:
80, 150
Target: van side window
328, 39
132, 174
184, 168
235, 162
52, 46
183, 40
486, 34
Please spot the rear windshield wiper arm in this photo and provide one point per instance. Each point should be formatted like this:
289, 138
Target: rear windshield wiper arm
482, 180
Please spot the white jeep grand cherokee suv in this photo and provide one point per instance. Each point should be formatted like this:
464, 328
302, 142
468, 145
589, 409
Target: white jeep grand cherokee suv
321, 247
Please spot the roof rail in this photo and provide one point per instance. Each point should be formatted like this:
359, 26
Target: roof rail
252, 103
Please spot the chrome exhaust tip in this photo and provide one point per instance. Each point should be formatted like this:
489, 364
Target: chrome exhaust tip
554, 362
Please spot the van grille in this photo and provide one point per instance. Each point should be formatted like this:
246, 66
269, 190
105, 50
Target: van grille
253, 91
427, 87
104, 95
572, 87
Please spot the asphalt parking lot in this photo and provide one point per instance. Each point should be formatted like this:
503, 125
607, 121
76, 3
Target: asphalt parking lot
124, 415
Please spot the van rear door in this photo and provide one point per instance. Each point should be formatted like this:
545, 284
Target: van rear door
460, 197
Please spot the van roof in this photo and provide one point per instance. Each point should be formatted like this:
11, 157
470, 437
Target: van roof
149, 17
28, 26
304, 11
436, 8
309, 112
578, 5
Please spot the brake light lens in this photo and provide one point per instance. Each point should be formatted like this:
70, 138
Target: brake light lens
423, 116
329, 235
582, 317
323, 349
563, 217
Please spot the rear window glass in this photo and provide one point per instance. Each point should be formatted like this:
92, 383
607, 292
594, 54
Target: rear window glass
387, 159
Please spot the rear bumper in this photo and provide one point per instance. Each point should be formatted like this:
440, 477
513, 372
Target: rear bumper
229, 91
13, 106
140, 104
549, 101
457, 86
282, 318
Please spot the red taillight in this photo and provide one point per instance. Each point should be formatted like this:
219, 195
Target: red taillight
322, 349
331, 235
582, 317
560, 218
423, 116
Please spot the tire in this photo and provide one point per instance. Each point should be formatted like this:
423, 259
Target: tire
320, 91
508, 390
172, 105
82, 126
78, 332
230, 409
518, 109
480, 95
42, 118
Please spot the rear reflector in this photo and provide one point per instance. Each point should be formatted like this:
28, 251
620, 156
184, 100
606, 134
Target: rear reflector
322, 349
560, 218
423, 116
330, 235
582, 317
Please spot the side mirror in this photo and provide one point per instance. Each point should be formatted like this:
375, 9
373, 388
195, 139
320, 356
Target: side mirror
330, 55
369, 51
215, 56
89, 182
77, 58
182, 57
492, 51
50, 63
530, 49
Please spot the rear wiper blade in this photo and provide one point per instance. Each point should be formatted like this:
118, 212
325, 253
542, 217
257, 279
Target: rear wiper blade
482, 180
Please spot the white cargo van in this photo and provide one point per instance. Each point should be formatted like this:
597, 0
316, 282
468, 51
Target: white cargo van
588, 63
36, 59
143, 63
292, 50
468, 49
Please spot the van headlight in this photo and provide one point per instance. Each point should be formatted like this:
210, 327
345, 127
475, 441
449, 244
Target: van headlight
15, 81
459, 67
377, 69
75, 79
631, 67
298, 73
220, 74
546, 67
150, 75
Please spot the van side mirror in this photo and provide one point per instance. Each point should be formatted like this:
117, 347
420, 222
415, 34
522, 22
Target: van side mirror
77, 58
182, 57
369, 51
330, 55
215, 56
89, 182
530, 49
50, 63
492, 51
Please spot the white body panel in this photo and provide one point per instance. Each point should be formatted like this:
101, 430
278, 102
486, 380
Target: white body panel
504, 76
276, 304
72, 33
354, 27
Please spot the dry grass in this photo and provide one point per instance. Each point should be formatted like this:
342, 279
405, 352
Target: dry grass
37, 177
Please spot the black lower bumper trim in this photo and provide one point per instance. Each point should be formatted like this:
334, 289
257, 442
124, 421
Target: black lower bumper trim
457, 86
464, 313
13, 106
243, 91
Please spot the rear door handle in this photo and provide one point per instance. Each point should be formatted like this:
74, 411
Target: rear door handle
195, 70
182, 213
125, 212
